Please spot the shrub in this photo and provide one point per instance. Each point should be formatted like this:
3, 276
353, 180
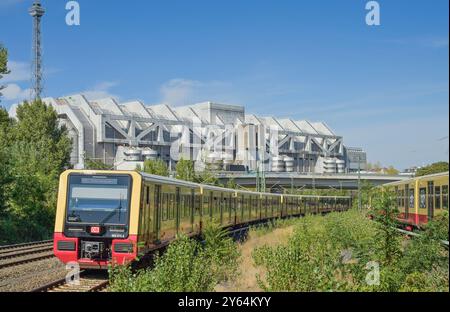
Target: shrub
338, 252
186, 266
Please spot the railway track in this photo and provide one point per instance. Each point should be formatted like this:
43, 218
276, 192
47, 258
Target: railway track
88, 282
20, 253
24, 246
25, 253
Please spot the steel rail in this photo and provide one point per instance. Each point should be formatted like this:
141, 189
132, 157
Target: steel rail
20, 249
61, 285
23, 253
25, 244
409, 233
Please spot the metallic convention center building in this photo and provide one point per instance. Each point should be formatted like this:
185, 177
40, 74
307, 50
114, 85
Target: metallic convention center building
221, 136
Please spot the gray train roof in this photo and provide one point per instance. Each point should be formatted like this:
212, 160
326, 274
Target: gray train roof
168, 180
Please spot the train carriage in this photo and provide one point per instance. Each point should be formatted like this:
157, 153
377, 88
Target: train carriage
420, 199
106, 217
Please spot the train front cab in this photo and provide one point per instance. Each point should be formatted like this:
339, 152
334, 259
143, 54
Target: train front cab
97, 217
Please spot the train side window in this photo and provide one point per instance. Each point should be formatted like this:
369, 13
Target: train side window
423, 197
181, 212
445, 197
172, 207
147, 190
165, 203
205, 205
437, 197
411, 198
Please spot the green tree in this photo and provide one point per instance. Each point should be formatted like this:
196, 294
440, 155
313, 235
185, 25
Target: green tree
158, 167
5, 129
231, 184
385, 213
391, 170
38, 123
437, 167
92, 164
207, 176
3, 64
38, 151
185, 170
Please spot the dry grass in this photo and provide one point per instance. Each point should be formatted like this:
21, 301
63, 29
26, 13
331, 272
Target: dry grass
246, 281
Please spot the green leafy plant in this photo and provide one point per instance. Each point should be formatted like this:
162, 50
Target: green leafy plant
186, 266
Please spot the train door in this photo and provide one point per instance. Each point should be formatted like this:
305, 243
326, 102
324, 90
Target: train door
197, 215
186, 210
430, 200
148, 224
177, 208
142, 232
157, 211
403, 202
222, 202
248, 207
234, 208
206, 206
240, 210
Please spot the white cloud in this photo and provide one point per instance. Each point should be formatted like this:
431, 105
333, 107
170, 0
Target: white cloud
179, 91
20, 71
13, 92
425, 41
101, 91
438, 42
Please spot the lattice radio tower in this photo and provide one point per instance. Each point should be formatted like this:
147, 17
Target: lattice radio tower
37, 11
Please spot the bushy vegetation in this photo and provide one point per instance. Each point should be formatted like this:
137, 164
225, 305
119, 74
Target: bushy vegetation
265, 228
185, 171
3, 64
342, 252
95, 164
34, 150
438, 167
187, 265
157, 166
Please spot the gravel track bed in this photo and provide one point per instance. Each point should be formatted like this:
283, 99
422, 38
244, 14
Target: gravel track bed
28, 276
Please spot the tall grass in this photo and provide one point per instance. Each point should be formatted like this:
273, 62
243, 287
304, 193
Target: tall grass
186, 266
337, 253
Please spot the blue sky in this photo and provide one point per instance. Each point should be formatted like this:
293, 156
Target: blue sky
384, 88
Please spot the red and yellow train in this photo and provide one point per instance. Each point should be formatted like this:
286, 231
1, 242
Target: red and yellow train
106, 217
420, 199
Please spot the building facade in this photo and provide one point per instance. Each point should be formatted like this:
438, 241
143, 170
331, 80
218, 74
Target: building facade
218, 136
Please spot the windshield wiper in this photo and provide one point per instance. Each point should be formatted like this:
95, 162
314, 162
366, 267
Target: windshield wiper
113, 213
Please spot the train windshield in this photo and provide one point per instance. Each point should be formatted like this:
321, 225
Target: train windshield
98, 199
